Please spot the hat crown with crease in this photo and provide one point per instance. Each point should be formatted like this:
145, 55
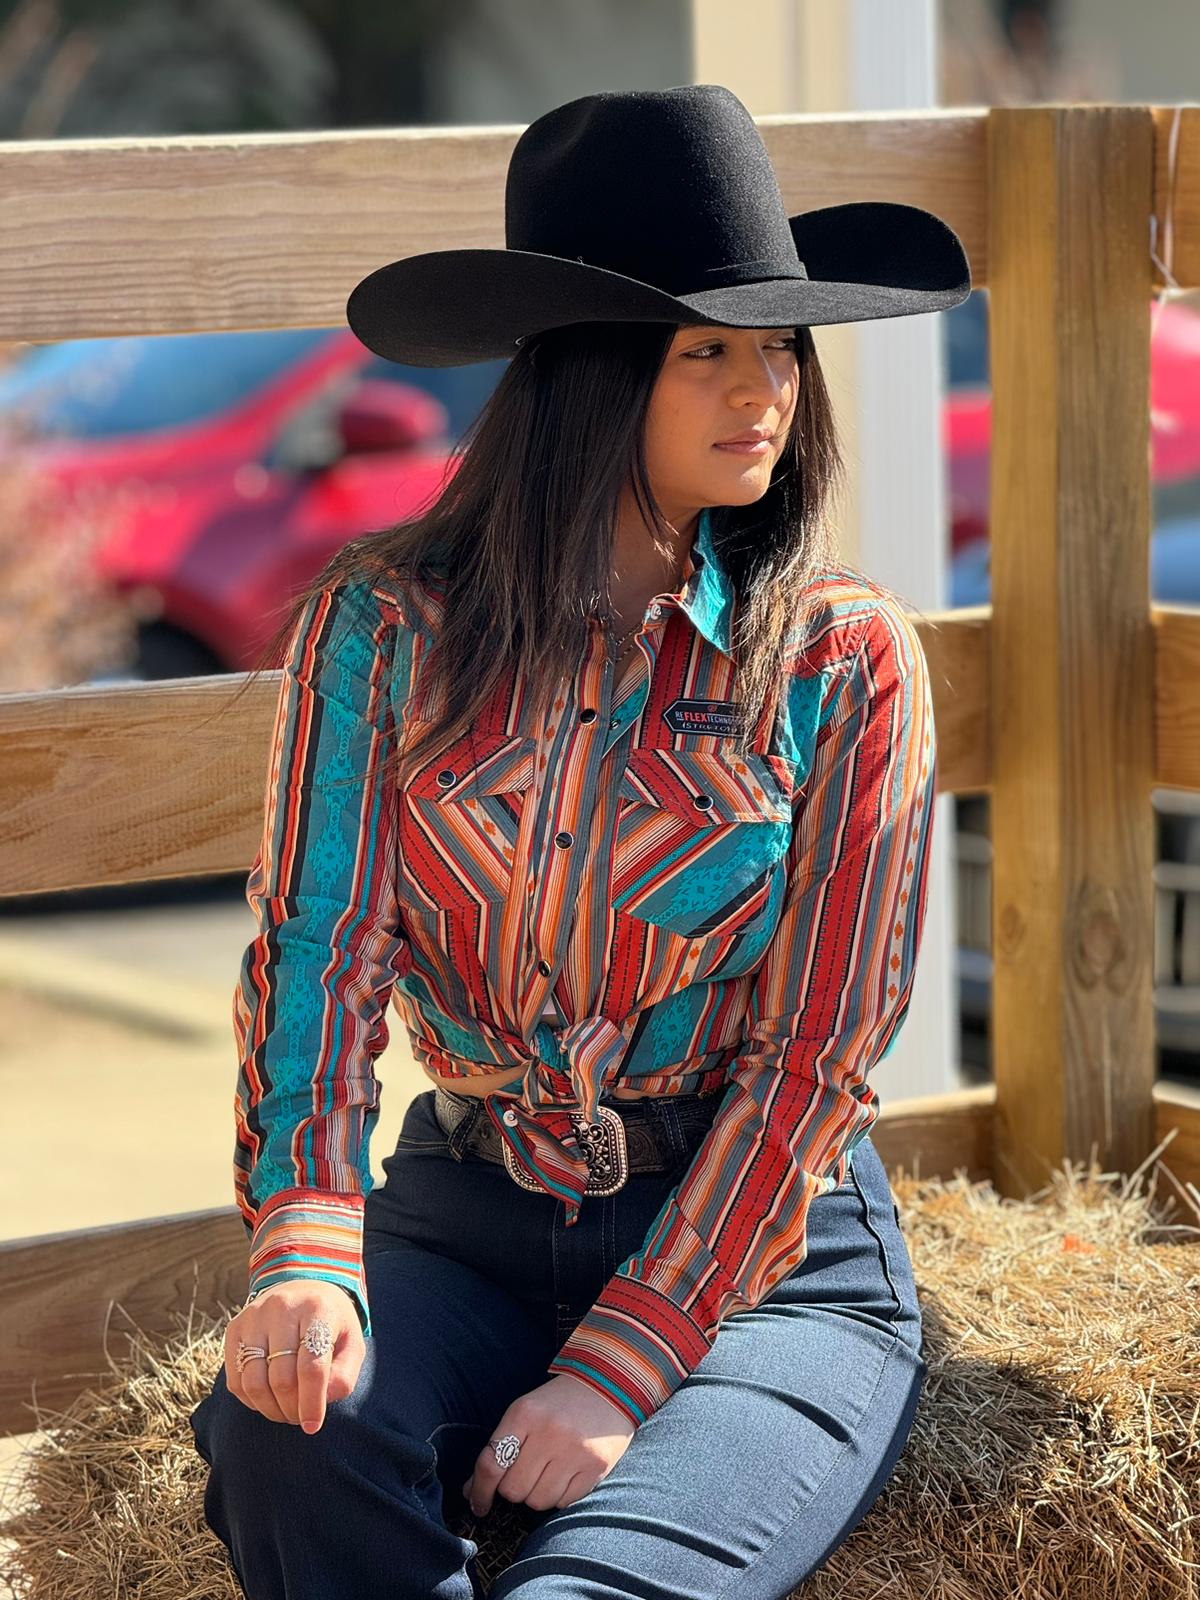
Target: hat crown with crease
614, 179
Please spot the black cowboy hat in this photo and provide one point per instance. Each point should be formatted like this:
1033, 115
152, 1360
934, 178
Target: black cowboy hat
655, 205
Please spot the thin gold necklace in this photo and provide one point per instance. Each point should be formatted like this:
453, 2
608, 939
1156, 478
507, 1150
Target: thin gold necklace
622, 645
628, 634
617, 656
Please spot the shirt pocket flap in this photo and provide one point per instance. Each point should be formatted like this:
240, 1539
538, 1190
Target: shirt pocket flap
711, 786
477, 764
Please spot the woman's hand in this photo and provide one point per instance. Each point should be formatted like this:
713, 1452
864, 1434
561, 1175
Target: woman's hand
571, 1437
295, 1388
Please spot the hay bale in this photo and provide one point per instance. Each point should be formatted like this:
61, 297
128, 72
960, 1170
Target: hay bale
1056, 1450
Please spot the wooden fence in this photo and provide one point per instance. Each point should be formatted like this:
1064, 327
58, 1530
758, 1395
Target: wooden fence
1067, 699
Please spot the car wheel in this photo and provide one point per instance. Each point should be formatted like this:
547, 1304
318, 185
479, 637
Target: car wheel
164, 651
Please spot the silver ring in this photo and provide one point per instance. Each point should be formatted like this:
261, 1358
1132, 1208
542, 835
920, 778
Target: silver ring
318, 1337
506, 1450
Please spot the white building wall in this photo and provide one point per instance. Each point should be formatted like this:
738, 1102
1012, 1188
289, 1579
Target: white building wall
886, 381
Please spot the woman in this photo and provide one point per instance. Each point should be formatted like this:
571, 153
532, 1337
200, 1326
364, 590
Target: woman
620, 786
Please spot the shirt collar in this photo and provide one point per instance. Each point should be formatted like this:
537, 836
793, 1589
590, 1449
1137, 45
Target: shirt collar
706, 598
707, 595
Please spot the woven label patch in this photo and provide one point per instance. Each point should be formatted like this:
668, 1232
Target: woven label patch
702, 716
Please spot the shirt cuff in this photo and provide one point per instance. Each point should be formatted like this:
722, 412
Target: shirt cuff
635, 1347
310, 1233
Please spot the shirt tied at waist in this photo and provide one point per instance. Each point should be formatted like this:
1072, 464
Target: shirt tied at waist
569, 1074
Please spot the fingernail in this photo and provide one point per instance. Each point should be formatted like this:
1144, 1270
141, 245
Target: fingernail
309, 1427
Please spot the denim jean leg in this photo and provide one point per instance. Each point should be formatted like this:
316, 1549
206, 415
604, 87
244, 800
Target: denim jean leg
352, 1508
362, 1506
610, 1227
773, 1448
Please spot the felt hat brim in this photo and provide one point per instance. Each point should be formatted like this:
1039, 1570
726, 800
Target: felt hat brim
864, 259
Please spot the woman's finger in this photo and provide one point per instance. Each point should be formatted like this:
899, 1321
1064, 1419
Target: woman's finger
256, 1382
313, 1375
575, 1490
550, 1486
512, 1482
282, 1370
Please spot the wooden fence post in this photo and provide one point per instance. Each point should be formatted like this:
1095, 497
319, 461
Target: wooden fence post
1072, 666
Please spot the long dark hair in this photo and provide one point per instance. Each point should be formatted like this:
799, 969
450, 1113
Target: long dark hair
521, 532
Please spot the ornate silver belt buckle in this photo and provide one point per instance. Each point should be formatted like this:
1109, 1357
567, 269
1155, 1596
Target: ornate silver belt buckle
603, 1145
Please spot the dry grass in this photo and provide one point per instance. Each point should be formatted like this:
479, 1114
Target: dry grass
1056, 1451
61, 620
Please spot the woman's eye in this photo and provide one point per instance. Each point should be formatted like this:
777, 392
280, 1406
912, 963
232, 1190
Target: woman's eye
702, 352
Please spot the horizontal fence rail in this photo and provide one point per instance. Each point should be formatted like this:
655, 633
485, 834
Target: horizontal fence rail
107, 785
272, 230
231, 232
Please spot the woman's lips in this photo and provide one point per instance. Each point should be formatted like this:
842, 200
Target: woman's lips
746, 447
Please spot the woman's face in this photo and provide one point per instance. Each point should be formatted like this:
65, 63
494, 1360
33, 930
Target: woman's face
716, 382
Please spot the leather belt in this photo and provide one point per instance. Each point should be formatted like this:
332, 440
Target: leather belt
649, 1134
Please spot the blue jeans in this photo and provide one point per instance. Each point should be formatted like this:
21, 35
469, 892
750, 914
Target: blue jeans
744, 1481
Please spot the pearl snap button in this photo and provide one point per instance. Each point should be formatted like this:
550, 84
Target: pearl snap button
511, 1118
545, 968
564, 838
703, 801
446, 778
588, 714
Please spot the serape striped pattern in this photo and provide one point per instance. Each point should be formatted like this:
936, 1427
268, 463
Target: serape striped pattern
621, 893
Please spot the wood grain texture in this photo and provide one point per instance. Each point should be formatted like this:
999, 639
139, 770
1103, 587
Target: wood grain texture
1071, 641
225, 232
1176, 632
66, 1298
937, 1135
1177, 193
103, 785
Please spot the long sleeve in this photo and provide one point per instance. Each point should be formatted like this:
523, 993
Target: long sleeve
827, 1003
309, 1009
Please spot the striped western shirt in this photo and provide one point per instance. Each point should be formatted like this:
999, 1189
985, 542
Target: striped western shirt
618, 893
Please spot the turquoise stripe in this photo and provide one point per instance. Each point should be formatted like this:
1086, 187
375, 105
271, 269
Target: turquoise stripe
335, 823
579, 1366
564, 1190
295, 1261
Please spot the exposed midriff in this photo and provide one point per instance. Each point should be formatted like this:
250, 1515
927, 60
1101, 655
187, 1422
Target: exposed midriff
489, 1082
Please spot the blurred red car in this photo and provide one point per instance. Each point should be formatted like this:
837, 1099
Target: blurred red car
1174, 415
232, 466
236, 463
